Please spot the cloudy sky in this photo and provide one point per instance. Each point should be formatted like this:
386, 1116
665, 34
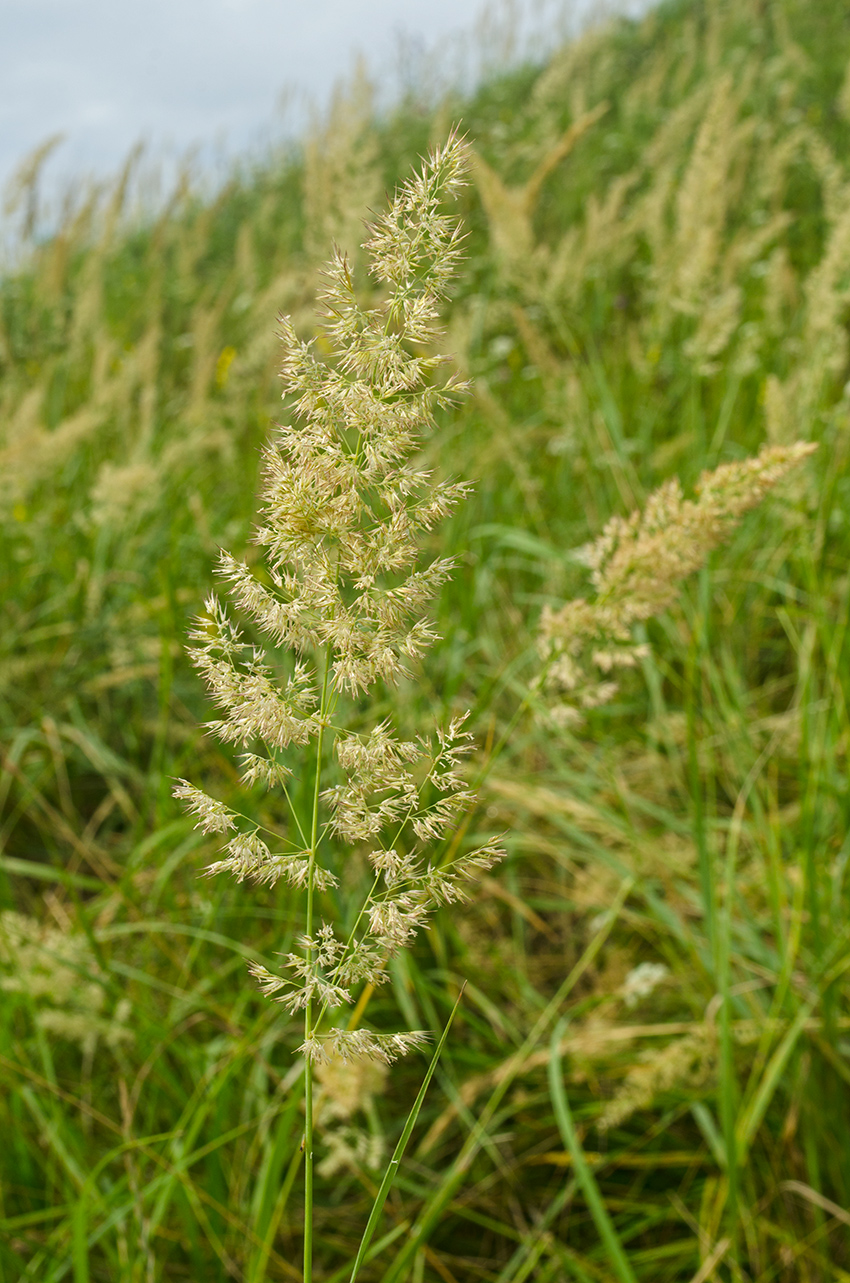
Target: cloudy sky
178, 72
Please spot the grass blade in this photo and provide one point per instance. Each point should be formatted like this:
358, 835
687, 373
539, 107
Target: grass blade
584, 1175
392, 1166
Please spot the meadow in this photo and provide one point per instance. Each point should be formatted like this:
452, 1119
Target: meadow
647, 1077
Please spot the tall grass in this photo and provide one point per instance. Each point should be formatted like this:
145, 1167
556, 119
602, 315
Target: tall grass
648, 1075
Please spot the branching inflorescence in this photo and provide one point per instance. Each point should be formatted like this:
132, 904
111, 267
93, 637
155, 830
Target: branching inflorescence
344, 591
637, 567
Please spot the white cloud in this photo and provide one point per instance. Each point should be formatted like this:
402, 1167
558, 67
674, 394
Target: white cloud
178, 72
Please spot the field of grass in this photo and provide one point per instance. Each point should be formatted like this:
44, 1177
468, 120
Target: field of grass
649, 1076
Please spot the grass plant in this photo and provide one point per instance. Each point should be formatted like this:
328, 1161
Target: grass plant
647, 1075
342, 515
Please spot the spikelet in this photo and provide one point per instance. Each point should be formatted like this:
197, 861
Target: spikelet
704, 196
606, 239
642, 981
342, 517
124, 492
637, 566
352, 1149
817, 355
348, 1085
20, 194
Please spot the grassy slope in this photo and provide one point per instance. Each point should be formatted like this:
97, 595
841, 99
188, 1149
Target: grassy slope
675, 293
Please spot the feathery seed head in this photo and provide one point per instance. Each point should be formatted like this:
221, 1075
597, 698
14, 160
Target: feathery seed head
637, 566
342, 517
213, 816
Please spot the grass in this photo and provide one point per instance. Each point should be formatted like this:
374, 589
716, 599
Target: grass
664, 297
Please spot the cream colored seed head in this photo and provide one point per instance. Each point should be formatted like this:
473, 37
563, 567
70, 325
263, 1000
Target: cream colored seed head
343, 513
637, 566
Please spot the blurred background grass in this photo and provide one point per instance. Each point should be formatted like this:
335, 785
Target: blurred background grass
658, 280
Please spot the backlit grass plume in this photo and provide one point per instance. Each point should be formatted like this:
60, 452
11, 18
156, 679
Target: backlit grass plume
343, 514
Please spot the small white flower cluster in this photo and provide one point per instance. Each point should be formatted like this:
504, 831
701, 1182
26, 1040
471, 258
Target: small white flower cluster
342, 519
351, 1149
638, 564
642, 981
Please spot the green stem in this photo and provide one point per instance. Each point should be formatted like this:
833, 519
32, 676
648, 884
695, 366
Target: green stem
727, 1080
705, 862
308, 1010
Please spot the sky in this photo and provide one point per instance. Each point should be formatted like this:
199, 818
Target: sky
228, 75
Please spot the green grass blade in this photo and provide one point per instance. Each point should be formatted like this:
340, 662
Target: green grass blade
751, 1118
525, 1251
47, 873
376, 1249
270, 1200
392, 1166
584, 1175
80, 1250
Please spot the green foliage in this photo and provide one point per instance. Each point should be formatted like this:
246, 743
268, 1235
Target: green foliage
658, 283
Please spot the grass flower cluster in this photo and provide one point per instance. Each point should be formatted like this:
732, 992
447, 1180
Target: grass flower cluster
637, 567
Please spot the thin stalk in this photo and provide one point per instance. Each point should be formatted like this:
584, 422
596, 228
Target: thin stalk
294, 813
704, 860
727, 1080
728, 1086
308, 1009
705, 857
